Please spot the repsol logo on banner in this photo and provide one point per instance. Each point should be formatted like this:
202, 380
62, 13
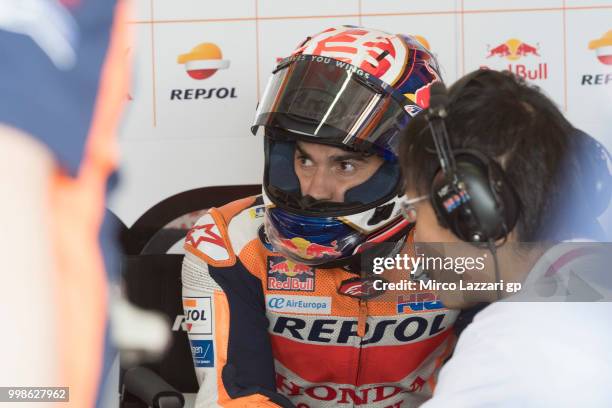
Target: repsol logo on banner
200, 63
202, 93
343, 331
603, 51
338, 394
596, 79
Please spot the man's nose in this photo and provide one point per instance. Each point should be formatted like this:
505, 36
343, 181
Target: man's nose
320, 186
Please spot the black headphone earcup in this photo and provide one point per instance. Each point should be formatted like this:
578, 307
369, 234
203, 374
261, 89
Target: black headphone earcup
506, 196
472, 195
452, 206
479, 205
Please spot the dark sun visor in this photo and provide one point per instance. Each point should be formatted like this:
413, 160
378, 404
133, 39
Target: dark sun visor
320, 97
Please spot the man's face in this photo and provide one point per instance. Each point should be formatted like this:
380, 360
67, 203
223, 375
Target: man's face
433, 240
326, 172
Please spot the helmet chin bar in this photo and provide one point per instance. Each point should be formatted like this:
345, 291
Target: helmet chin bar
295, 199
362, 263
350, 249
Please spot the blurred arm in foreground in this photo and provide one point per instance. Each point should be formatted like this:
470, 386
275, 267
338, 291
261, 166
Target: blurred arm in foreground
62, 81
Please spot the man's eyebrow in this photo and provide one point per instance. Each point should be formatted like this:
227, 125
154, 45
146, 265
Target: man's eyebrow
349, 156
337, 157
301, 151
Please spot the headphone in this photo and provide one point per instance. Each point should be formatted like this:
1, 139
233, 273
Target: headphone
471, 194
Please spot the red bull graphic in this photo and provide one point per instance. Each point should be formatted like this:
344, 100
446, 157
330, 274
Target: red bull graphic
525, 49
514, 50
315, 250
502, 50
309, 250
284, 274
421, 95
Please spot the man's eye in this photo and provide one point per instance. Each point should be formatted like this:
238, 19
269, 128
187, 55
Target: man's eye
304, 161
347, 166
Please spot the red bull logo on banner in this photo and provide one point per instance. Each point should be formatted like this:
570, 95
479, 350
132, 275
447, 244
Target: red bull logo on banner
284, 274
514, 50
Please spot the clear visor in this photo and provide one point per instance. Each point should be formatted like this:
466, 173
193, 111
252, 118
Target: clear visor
334, 101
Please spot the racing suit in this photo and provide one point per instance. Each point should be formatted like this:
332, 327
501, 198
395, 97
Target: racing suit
268, 332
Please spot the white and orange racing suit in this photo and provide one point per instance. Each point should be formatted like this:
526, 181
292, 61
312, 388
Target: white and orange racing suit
265, 331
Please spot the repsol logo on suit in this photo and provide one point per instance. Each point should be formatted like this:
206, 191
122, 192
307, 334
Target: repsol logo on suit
342, 331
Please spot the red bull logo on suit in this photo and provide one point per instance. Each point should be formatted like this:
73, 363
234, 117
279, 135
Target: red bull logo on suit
309, 250
284, 274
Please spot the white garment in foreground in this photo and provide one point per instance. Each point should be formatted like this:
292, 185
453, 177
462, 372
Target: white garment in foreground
536, 354
531, 355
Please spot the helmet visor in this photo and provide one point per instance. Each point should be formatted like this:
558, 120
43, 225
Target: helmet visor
333, 101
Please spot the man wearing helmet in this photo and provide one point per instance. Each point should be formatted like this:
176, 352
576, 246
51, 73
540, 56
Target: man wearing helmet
277, 289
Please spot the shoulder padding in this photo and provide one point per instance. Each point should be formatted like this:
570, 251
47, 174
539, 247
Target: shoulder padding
209, 239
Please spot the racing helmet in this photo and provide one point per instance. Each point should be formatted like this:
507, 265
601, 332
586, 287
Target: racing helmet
349, 87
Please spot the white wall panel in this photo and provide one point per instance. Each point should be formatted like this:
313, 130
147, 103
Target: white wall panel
170, 145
